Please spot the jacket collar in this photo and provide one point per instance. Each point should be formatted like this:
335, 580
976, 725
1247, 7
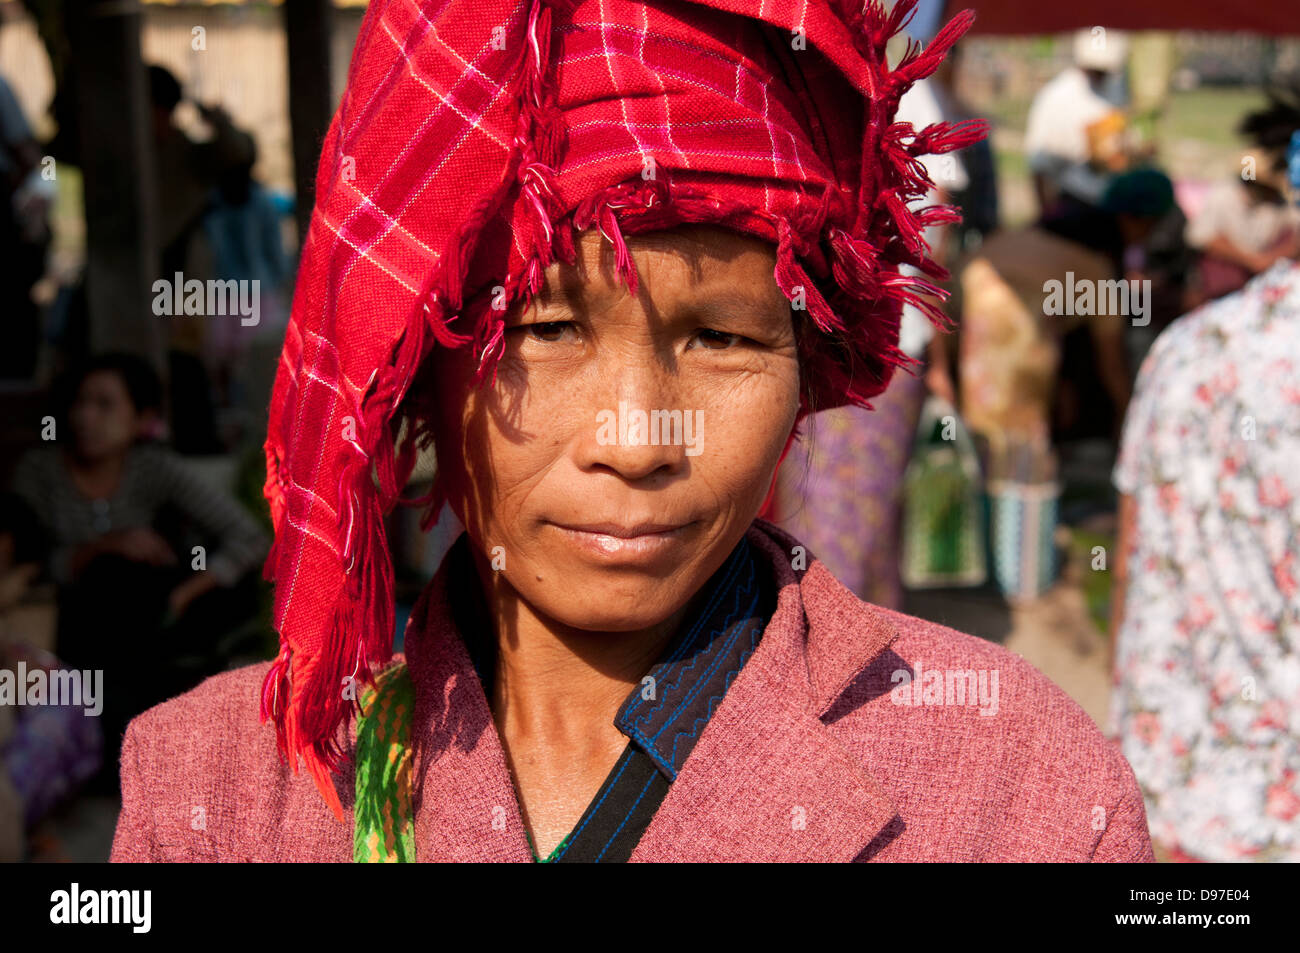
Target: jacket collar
766, 781
465, 804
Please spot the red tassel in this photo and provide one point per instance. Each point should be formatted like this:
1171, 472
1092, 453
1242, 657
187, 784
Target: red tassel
943, 137
791, 278
922, 64
443, 334
905, 222
275, 687
321, 774
622, 257
494, 330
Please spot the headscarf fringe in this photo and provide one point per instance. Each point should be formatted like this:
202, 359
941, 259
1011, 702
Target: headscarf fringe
919, 62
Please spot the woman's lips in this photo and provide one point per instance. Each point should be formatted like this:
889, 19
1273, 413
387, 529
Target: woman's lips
642, 542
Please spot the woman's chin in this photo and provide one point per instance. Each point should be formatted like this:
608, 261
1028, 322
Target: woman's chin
593, 605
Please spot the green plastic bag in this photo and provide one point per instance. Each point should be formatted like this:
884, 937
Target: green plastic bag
943, 525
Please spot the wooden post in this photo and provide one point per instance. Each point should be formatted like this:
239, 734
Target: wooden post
117, 164
308, 24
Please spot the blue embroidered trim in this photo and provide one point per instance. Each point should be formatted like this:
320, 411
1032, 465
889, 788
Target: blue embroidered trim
731, 623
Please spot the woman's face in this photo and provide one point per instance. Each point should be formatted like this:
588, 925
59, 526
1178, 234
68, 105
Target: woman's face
104, 421
628, 442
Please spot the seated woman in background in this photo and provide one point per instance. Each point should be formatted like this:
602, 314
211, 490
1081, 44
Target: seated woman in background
1246, 224
102, 492
608, 329
47, 751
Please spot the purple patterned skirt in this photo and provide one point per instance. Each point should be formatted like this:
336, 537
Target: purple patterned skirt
839, 491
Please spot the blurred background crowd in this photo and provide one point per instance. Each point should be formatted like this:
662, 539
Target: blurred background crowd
1098, 469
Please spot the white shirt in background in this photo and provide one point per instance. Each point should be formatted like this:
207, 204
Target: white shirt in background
921, 108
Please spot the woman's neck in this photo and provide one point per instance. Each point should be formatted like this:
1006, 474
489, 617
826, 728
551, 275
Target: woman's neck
555, 693
553, 683
97, 477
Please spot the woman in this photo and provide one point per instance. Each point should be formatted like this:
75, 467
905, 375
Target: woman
571, 232
107, 498
1206, 614
1246, 224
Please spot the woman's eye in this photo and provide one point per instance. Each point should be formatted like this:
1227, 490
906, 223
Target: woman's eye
549, 331
717, 340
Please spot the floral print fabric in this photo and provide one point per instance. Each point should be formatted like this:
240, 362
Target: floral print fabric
1206, 697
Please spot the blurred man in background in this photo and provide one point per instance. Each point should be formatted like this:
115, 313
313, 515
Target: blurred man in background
1074, 133
189, 174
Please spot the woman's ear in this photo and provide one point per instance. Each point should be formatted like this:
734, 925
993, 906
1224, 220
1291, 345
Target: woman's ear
768, 510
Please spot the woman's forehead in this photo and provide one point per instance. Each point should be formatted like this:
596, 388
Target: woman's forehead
695, 260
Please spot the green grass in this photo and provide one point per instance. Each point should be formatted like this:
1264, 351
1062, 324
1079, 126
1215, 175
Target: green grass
1209, 115
1011, 163
1008, 113
1096, 585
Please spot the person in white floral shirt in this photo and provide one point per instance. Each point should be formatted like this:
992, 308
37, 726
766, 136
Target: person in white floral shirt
1206, 701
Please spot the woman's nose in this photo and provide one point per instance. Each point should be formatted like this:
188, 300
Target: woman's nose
635, 428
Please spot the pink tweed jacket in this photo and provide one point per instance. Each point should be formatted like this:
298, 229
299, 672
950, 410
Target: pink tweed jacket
852, 733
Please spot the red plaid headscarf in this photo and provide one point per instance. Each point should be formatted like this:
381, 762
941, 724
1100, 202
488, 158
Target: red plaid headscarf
475, 136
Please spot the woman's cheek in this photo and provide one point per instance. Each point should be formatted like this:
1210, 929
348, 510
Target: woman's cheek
746, 420
525, 431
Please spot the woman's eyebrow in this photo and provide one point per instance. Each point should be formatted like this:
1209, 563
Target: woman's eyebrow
558, 307
705, 305
730, 305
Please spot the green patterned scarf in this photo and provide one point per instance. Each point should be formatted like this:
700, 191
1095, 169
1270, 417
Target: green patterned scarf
384, 827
